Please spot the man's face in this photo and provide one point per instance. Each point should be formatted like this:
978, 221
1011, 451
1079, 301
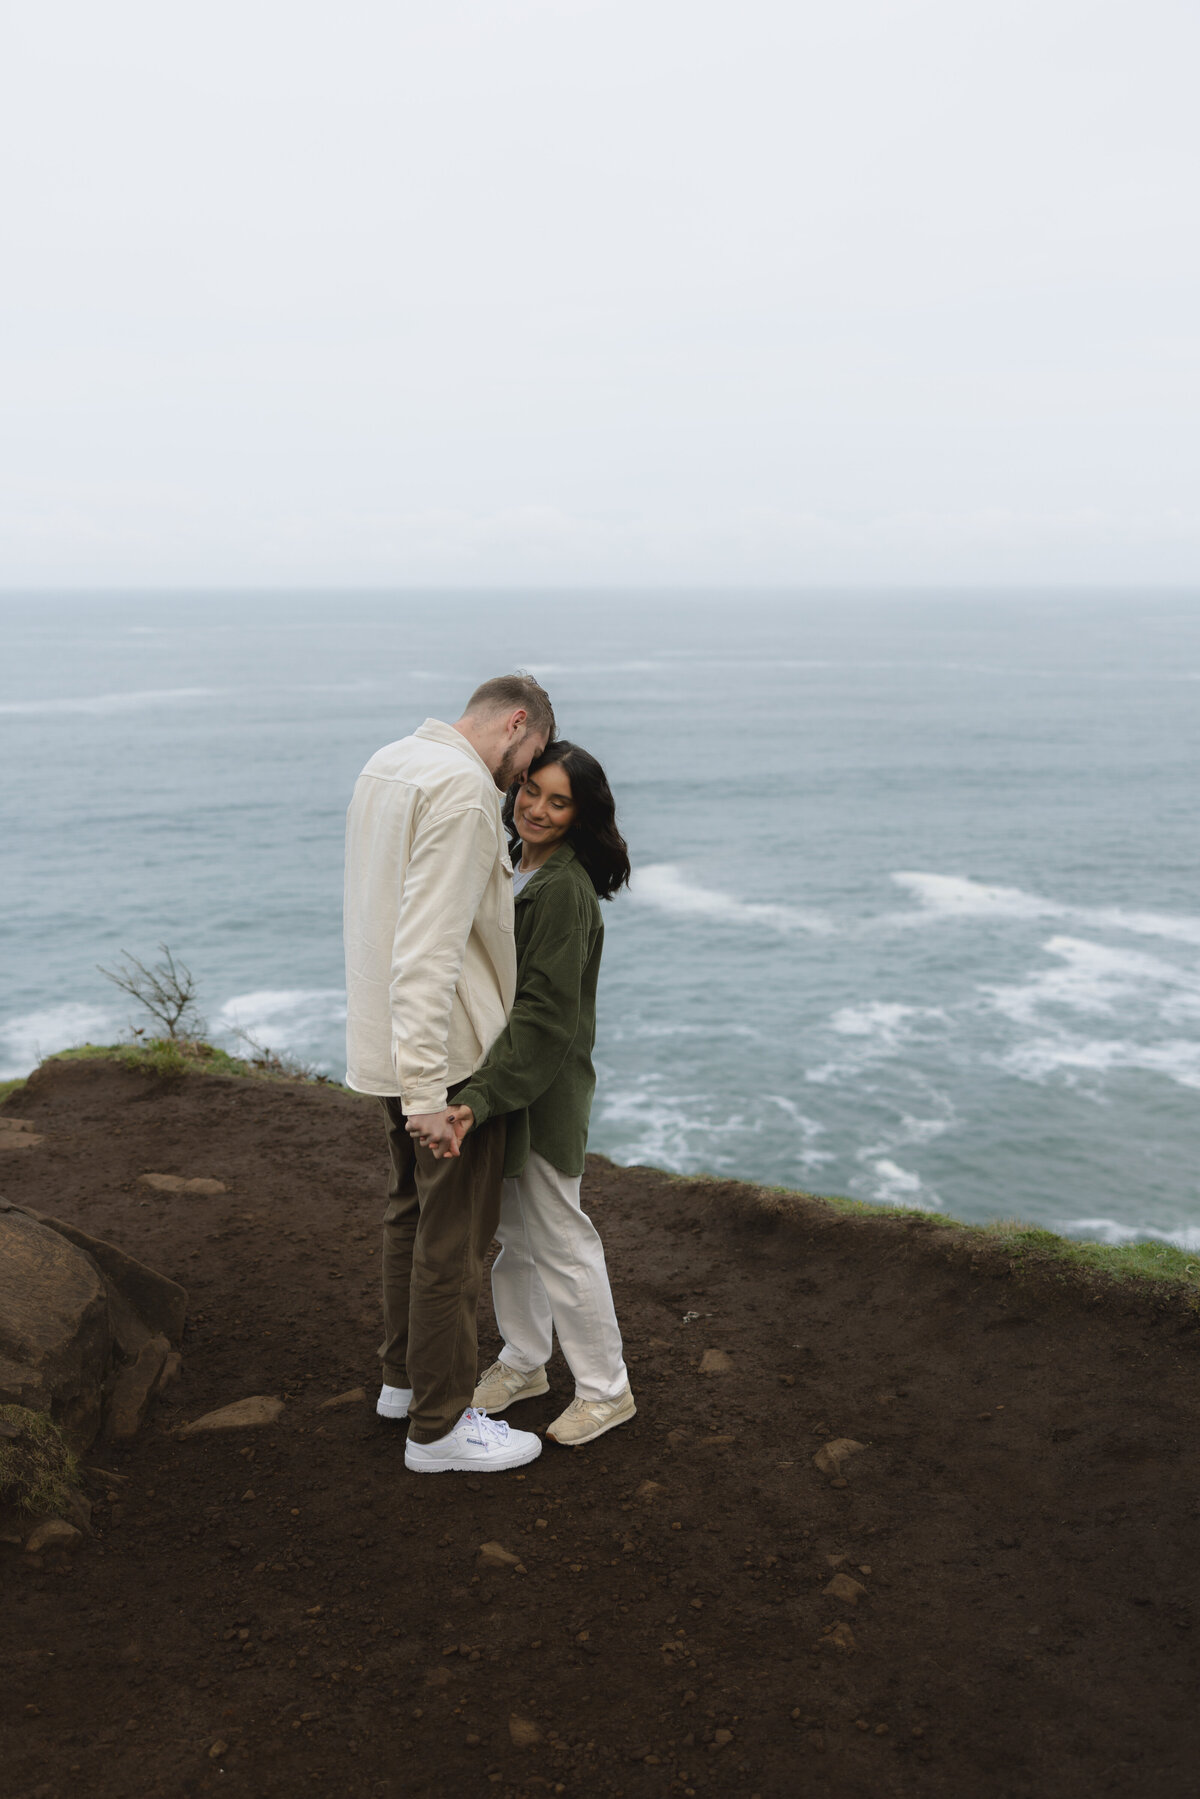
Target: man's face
518, 756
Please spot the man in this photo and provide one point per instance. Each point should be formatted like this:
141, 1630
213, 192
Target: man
430, 978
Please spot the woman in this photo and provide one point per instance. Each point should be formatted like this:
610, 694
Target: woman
550, 1272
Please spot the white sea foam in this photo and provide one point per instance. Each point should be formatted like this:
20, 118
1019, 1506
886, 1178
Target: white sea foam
652, 1032
1070, 1056
1107, 1230
283, 1018
663, 886
25, 1039
114, 702
1093, 978
648, 1122
955, 896
888, 1184
879, 1029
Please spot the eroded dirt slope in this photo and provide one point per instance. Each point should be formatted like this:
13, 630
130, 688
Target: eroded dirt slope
291, 1611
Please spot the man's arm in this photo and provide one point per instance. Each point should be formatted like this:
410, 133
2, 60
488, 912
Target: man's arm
448, 870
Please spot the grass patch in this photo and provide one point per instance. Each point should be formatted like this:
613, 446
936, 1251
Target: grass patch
1119, 1261
7, 1088
169, 1058
37, 1470
1025, 1245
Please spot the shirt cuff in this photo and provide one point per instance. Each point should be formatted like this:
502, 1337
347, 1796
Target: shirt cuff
432, 1100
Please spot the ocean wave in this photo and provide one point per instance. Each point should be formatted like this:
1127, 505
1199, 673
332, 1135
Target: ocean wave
663, 886
956, 896
1093, 978
282, 1018
891, 1185
114, 702
652, 1032
29, 1036
1041, 1058
882, 1028
1107, 1230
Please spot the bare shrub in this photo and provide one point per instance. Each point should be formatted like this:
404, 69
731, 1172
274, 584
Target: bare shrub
168, 992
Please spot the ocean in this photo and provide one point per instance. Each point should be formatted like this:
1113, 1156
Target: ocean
916, 909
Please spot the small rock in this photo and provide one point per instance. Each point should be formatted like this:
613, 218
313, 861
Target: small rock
218, 1749
715, 1361
179, 1183
650, 1489
844, 1588
677, 1439
832, 1457
721, 1738
52, 1533
839, 1636
261, 1408
439, 1677
523, 1732
356, 1396
495, 1555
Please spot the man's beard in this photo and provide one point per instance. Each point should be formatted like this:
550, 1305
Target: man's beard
506, 774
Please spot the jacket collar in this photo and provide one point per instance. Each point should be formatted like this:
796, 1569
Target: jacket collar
555, 865
436, 732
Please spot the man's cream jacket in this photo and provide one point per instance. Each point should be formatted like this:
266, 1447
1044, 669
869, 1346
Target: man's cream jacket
431, 967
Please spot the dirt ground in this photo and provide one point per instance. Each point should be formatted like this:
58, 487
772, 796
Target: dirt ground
287, 1610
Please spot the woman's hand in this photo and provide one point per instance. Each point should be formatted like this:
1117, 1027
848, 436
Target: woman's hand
462, 1118
441, 1132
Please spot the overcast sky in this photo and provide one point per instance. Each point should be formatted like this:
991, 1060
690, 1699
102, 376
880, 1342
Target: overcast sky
576, 291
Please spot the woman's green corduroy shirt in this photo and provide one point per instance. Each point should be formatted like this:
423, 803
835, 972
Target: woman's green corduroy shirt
539, 1070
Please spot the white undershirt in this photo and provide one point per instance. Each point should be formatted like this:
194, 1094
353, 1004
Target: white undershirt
521, 877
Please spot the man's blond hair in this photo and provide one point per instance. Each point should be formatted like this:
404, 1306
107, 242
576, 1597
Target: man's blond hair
505, 693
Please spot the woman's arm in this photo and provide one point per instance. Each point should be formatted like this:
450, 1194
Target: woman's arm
529, 1052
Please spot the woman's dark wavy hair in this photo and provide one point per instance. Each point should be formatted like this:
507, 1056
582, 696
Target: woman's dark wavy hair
594, 835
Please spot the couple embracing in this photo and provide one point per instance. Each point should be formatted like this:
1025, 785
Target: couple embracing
476, 854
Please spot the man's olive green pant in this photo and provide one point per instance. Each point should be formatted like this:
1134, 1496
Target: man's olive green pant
440, 1220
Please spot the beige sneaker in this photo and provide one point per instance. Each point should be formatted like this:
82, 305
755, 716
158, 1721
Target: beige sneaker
501, 1386
585, 1419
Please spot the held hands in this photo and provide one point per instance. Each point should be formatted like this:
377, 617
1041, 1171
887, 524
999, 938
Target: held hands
441, 1132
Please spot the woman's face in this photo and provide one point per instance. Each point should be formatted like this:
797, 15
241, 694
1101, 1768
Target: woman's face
544, 810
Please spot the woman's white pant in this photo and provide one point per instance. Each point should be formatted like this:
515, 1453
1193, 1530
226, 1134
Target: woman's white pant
550, 1276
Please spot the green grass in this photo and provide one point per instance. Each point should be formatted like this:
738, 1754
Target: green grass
37, 1470
171, 1058
10, 1087
1025, 1246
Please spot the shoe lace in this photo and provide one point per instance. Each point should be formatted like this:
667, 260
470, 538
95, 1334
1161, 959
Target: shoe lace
488, 1431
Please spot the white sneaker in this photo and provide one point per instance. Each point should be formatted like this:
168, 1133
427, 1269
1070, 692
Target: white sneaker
477, 1445
393, 1402
501, 1386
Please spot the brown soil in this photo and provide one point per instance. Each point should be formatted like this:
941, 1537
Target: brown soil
287, 1610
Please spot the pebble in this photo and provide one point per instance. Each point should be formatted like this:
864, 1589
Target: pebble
832, 1457
715, 1361
260, 1408
523, 1732
843, 1587
355, 1396
495, 1555
52, 1533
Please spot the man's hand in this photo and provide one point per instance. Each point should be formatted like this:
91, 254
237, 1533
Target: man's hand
437, 1130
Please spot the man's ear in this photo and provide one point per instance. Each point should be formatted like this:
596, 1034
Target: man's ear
518, 722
